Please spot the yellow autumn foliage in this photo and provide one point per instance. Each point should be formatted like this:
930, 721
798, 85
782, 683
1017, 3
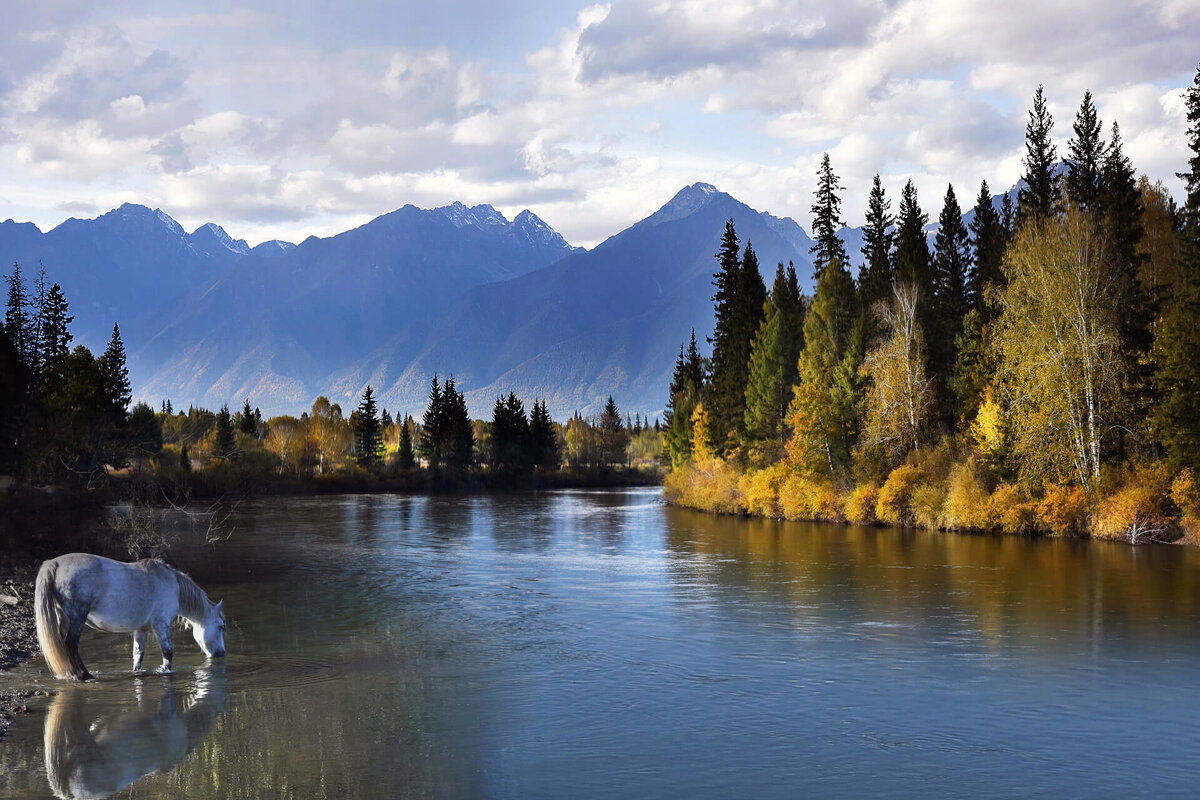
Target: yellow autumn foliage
894, 503
859, 507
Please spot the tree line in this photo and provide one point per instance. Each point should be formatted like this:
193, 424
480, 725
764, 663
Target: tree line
1048, 350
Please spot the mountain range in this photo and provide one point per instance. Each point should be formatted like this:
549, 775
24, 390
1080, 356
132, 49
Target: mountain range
502, 305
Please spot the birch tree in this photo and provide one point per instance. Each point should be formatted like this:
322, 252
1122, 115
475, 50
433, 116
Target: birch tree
899, 395
1058, 346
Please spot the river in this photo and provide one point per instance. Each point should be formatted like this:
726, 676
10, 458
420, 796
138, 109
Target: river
583, 644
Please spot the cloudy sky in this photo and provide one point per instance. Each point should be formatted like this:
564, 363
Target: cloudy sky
284, 119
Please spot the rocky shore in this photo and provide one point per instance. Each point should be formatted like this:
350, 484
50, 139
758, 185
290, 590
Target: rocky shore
18, 642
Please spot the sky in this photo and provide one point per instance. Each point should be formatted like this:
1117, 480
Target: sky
290, 119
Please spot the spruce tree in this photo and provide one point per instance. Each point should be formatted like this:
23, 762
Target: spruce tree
116, 376
1085, 157
510, 434
739, 298
404, 452
1008, 218
543, 439
224, 445
686, 391
1039, 197
458, 432
18, 322
433, 428
1177, 348
614, 439
910, 259
875, 276
988, 240
56, 339
368, 433
827, 220
246, 421
951, 277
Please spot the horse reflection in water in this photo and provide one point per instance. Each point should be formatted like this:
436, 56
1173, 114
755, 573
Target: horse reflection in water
94, 752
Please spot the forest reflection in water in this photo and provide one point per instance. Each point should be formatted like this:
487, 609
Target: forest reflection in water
601, 644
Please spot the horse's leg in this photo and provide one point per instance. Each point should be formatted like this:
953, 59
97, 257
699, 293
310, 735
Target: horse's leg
162, 632
139, 647
74, 632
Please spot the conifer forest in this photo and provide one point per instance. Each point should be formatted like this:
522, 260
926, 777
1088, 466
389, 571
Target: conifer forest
1033, 370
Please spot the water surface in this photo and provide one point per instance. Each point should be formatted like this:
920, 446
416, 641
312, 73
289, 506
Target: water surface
601, 644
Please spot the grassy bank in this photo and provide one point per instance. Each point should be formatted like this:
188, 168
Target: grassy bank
942, 489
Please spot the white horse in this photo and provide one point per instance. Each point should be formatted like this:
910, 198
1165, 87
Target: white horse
80, 589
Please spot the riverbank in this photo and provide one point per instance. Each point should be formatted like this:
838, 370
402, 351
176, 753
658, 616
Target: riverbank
18, 641
938, 490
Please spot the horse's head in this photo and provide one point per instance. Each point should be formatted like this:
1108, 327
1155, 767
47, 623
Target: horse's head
210, 634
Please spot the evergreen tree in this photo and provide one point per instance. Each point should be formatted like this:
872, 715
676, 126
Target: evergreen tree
18, 322
459, 433
1008, 218
543, 440
385, 419
404, 453
1085, 157
614, 438
116, 376
988, 241
875, 276
686, 391
773, 367
510, 434
911, 256
951, 267
224, 446
56, 339
827, 220
434, 428
739, 298
1039, 198
245, 420
368, 433
1177, 348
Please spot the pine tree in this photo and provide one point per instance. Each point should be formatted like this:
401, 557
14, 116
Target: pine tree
433, 428
875, 276
116, 376
951, 267
1085, 157
1008, 218
56, 339
773, 366
988, 240
686, 391
224, 446
245, 420
910, 259
510, 434
1177, 348
543, 439
368, 433
1039, 198
614, 439
739, 298
405, 458
459, 442
827, 220
18, 322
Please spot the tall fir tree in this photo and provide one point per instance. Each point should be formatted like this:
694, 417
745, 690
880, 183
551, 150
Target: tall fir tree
614, 438
459, 433
988, 243
910, 259
245, 420
56, 338
18, 321
368, 432
1085, 157
827, 219
543, 439
433, 428
117, 389
875, 276
1040, 197
224, 445
739, 299
686, 391
1177, 347
1008, 218
952, 267
405, 457
773, 370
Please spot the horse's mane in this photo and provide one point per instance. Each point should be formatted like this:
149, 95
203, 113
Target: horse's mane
193, 602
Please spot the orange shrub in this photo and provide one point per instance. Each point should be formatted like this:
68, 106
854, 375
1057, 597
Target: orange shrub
803, 497
927, 501
1065, 509
966, 505
709, 484
860, 505
761, 489
1011, 511
894, 503
1186, 493
1142, 508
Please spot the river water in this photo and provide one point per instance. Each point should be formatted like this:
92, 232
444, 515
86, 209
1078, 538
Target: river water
603, 645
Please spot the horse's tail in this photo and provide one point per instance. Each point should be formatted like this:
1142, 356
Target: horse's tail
51, 623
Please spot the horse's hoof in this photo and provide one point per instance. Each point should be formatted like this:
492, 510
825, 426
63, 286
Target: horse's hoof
84, 676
